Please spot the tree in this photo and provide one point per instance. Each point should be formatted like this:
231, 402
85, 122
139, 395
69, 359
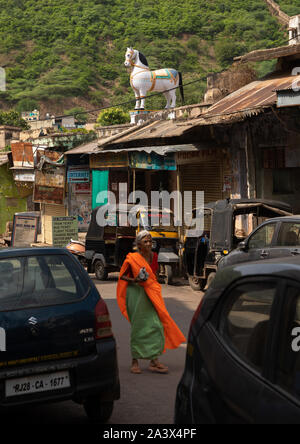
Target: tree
78, 112
113, 116
12, 118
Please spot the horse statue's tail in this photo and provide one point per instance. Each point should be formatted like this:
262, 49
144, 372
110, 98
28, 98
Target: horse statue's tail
181, 88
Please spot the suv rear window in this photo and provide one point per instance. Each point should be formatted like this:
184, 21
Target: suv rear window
39, 281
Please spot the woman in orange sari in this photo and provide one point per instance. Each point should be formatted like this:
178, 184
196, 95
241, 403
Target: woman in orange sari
141, 302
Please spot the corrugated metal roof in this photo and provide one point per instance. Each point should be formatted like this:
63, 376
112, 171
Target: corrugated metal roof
158, 129
161, 150
256, 95
86, 148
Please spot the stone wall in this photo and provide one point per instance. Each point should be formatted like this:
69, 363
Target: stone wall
221, 84
7, 134
275, 10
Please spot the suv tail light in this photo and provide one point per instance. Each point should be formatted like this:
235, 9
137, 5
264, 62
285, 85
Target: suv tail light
103, 323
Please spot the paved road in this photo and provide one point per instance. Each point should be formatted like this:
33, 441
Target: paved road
145, 399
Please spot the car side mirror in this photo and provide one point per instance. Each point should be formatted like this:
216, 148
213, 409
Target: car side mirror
242, 246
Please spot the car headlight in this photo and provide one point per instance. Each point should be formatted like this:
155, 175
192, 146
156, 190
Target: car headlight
154, 244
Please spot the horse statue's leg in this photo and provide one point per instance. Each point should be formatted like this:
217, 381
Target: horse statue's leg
173, 98
168, 98
138, 100
143, 98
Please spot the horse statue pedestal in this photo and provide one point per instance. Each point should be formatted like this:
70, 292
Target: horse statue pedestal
137, 117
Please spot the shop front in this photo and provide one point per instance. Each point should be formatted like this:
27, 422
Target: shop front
137, 170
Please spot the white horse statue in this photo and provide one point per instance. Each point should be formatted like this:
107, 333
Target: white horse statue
142, 80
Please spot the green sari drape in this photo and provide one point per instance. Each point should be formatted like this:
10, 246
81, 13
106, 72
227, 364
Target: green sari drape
147, 334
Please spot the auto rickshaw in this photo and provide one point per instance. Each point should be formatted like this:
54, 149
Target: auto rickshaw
226, 223
107, 246
160, 224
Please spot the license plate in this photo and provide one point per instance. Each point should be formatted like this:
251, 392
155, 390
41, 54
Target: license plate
37, 383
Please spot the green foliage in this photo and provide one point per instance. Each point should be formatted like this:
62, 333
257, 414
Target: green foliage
12, 118
226, 50
113, 116
27, 105
290, 7
57, 49
78, 112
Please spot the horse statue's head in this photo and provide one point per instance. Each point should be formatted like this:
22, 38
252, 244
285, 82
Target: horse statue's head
130, 57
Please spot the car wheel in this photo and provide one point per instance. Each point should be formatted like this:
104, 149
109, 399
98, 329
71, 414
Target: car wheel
210, 278
97, 411
100, 270
197, 284
168, 275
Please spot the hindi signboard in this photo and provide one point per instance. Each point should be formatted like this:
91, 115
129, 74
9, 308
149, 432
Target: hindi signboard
63, 230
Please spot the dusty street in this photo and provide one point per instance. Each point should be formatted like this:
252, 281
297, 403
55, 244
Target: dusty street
146, 398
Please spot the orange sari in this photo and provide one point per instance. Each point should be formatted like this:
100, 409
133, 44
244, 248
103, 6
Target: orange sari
173, 335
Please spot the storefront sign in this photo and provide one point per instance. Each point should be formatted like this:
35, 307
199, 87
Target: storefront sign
50, 185
83, 188
25, 229
23, 177
76, 175
186, 157
152, 161
108, 160
63, 230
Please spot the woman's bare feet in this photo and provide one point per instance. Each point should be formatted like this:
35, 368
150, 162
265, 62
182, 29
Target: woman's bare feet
158, 367
135, 367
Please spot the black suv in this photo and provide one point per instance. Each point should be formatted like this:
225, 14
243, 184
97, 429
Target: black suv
277, 237
243, 352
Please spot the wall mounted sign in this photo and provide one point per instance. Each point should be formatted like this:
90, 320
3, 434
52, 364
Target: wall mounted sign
50, 185
109, 160
63, 230
78, 175
24, 176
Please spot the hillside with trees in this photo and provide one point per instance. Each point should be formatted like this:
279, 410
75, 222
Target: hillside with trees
60, 54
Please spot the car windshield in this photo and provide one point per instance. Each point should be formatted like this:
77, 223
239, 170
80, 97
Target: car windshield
39, 281
157, 221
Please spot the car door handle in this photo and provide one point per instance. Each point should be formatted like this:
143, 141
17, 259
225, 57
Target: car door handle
264, 254
295, 252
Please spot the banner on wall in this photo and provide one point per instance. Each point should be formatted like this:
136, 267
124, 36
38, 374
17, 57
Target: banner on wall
81, 205
99, 188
